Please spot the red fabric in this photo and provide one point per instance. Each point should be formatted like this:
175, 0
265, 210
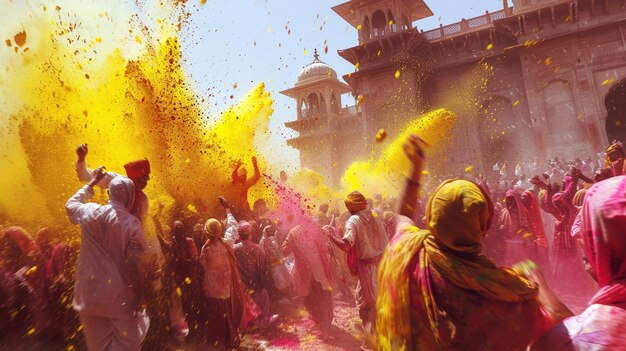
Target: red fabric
353, 261
534, 217
58, 261
137, 169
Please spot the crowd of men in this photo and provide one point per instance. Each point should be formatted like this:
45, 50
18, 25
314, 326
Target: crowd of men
425, 275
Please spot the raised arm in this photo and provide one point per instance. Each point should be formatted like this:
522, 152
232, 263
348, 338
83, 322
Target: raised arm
77, 208
235, 171
570, 191
257, 173
85, 174
231, 232
415, 154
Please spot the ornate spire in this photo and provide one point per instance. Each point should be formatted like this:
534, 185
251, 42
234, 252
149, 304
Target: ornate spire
315, 55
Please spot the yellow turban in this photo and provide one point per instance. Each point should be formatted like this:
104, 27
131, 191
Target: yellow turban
355, 202
213, 228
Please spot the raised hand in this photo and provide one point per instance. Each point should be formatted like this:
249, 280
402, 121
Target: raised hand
81, 151
98, 174
224, 202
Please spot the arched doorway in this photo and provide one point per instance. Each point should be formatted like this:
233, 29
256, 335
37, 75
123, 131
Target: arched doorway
502, 150
564, 129
499, 132
615, 103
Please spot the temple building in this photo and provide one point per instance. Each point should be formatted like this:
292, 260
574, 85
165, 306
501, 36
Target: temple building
538, 79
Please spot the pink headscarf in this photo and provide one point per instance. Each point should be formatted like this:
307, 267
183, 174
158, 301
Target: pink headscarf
604, 234
534, 216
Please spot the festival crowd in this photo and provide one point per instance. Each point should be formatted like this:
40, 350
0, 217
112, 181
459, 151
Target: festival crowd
486, 263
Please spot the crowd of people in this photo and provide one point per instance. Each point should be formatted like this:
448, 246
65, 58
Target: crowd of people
486, 263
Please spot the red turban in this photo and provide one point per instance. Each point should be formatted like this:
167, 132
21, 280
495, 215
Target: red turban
137, 169
355, 202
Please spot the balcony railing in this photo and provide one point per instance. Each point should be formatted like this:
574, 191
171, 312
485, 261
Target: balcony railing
465, 26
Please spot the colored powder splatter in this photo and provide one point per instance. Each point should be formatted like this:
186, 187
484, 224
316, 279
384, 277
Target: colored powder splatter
385, 175
88, 79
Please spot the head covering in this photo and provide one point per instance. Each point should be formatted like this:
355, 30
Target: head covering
535, 180
58, 262
122, 190
245, 228
213, 228
604, 234
533, 213
137, 169
355, 202
615, 147
22, 240
458, 214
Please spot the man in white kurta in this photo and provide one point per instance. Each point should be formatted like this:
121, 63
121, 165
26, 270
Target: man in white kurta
365, 233
108, 284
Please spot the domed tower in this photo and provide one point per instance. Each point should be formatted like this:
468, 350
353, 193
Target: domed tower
327, 132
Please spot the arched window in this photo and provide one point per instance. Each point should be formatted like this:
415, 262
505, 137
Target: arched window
313, 105
322, 104
615, 102
405, 23
367, 29
334, 105
300, 110
379, 22
391, 22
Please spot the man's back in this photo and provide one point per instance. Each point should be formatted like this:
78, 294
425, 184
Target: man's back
367, 232
102, 275
251, 263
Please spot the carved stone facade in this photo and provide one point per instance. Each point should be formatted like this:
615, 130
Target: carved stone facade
555, 86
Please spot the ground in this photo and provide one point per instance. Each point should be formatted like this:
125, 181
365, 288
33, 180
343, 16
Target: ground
295, 331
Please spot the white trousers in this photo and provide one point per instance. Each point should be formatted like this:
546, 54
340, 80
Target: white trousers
105, 334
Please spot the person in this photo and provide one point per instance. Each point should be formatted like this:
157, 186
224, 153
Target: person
185, 274
138, 171
276, 260
231, 233
365, 234
516, 228
22, 260
64, 320
538, 248
242, 184
615, 158
602, 325
226, 307
312, 273
260, 211
438, 292
322, 218
567, 268
109, 286
254, 271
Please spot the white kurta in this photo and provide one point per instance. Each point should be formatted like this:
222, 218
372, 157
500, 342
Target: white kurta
107, 306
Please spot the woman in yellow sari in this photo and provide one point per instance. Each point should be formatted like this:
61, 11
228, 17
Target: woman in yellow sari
438, 292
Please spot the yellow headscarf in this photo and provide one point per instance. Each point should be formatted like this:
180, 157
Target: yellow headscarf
213, 228
458, 215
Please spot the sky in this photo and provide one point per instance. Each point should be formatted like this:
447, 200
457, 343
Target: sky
231, 46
